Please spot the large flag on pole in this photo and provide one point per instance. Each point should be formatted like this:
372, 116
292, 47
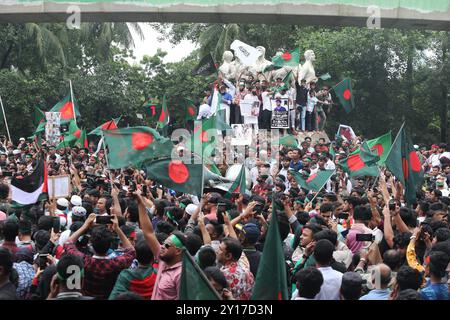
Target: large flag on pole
405, 165
27, 190
206, 66
163, 119
271, 279
108, 125
66, 108
245, 53
345, 132
190, 110
314, 182
288, 58
362, 163
239, 185
344, 93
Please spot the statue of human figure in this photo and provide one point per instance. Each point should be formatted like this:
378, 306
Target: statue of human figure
228, 68
307, 71
257, 70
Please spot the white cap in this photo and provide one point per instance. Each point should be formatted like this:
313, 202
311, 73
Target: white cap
63, 202
22, 139
190, 209
75, 200
416, 147
16, 152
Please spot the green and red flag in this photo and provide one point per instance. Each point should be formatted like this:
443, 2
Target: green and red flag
271, 279
134, 145
313, 182
345, 133
108, 125
288, 58
67, 109
163, 119
176, 175
194, 285
288, 141
82, 141
361, 163
239, 185
405, 165
38, 116
344, 93
69, 138
190, 110
381, 145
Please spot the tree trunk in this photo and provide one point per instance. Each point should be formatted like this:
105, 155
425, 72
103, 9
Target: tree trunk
6, 56
444, 87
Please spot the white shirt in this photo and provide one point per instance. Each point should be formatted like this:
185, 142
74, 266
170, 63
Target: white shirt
434, 160
204, 111
266, 101
332, 280
330, 165
311, 103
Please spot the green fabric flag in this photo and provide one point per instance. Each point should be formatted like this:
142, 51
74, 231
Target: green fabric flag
176, 175
344, 93
67, 109
361, 163
404, 163
239, 185
288, 140
382, 145
332, 151
82, 141
134, 145
38, 116
314, 182
288, 58
193, 283
108, 125
190, 110
163, 119
70, 137
271, 279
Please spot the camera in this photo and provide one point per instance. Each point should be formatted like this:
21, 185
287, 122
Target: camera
258, 208
43, 260
365, 237
391, 205
103, 219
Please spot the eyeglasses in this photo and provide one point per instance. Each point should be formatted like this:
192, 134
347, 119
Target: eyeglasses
167, 245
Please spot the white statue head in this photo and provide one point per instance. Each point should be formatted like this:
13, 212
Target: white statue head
310, 56
262, 50
227, 56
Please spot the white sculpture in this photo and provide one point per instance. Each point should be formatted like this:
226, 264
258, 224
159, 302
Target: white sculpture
261, 63
307, 71
228, 67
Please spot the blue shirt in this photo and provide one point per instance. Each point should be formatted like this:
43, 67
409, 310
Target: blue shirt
435, 291
296, 166
377, 294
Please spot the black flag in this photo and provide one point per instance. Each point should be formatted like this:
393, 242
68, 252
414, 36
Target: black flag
206, 66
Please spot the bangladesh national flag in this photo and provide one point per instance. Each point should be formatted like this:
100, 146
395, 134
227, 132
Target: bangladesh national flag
206, 66
239, 185
314, 182
108, 125
190, 110
163, 119
271, 279
344, 93
193, 283
134, 145
32, 188
66, 108
332, 151
288, 58
176, 175
362, 163
381, 145
405, 165
82, 141
69, 138
345, 132
38, 116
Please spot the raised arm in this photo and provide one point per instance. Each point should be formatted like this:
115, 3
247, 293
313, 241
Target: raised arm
146, 226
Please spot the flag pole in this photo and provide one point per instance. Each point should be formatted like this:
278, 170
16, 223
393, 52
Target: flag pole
4, 117
107, 162
317, 193
338, 84
71, 99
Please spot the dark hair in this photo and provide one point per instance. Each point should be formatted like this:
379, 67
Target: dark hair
45, 223
408, 278
161, 237
88, 206
234, 247
6, 260
401, 240
218, 228
438, 263
4, 191
25, 227
283, 225
302, 217
326, 234
362, 213
133, 212
101, 239
323, 252
10, 230
217, 275
160, 204
64, 263
206, 257
443, 246
193, 243
41, 238
314, 227
326, 207
408, 216
409, 294
392, 258
442, 234
351, 285
309, 282
144, 254
424, 206
354, 201
437, 224
164, 227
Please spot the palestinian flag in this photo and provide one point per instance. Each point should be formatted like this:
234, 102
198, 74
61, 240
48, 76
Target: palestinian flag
344, 93
194, 285
314, 182
362, 163
190, 110
206, 66
67, 109
163, 119
176, 175
271, 279
288, 58
134, 145
239, 185
109, 125
32, 188
346, 133
405, 165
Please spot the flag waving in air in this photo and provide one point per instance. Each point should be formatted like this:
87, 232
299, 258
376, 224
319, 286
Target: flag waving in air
405, 165
362, 163
346, 133
206, 66
239, 185
163, 119
108, 125
190, 110
288, 58
314, 182
344, 93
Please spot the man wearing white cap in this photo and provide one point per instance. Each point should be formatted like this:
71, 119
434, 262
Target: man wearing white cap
62, 207
74, 201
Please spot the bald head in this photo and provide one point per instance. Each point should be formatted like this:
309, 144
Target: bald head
381, 276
